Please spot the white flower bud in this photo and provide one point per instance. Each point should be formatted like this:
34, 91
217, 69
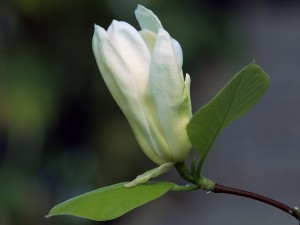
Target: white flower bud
143, 71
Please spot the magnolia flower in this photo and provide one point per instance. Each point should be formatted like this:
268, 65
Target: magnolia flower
143, 71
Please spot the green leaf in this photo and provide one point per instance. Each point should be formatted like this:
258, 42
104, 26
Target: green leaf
236, 98
111, 202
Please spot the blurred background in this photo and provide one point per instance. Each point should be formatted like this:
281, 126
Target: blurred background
62, 134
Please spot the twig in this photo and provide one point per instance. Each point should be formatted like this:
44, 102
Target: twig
218, 188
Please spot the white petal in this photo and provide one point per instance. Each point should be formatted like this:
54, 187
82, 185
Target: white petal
149, 38
178, 53
150, 174
187, 83
166, 77
170, 95
126, 77
132, 49
147, 19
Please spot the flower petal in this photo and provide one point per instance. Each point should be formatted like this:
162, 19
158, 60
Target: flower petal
150, 174
149, 38
170, 95
187, 83
123, 59
132, 49
147, 19
178, 53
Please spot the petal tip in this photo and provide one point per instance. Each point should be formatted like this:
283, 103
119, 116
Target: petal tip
147, 19
141, 8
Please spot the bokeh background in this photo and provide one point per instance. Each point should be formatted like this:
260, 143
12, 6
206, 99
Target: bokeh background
62, 134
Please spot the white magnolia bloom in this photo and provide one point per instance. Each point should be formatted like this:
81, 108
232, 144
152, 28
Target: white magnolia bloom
143, 71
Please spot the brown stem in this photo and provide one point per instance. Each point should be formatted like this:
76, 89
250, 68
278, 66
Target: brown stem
227, 190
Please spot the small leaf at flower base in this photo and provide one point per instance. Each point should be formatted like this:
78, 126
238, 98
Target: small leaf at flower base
236, 98
110, 202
